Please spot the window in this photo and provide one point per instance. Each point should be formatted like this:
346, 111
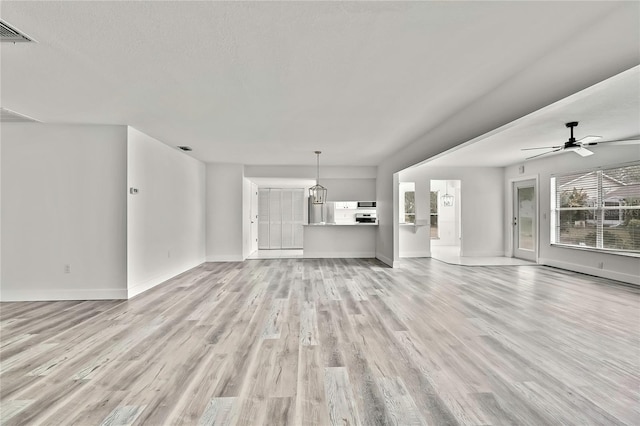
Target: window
410, 207
433, 211
407, 203
598, 209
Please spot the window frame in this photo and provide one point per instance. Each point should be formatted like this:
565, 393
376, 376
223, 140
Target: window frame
403, 188
598, 212
408, 213
434, 210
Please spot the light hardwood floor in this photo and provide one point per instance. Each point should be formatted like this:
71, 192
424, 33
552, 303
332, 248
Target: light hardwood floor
331, 342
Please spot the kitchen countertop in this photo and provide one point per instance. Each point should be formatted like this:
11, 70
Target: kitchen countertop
341, 224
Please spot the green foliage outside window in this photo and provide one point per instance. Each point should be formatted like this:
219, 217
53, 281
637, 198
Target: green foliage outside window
410, 207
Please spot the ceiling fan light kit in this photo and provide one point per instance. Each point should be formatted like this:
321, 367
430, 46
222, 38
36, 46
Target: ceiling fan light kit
578, 146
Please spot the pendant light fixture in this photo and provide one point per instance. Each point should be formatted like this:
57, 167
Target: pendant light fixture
318, 193
447, 199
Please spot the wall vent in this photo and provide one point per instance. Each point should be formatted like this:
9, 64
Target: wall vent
185, 148
11, 35
8, 116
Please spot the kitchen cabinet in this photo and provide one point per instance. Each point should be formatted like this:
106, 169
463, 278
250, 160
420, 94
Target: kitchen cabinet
340, 205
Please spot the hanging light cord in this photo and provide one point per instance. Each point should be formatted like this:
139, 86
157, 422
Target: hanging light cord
318, 167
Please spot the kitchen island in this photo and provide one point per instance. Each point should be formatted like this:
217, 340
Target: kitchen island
322, 240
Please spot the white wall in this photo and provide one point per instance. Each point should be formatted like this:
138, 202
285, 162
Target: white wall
616, 267
350, 189
225, 214
343, 183
309, 172
1, 218
166, 218
481, 201
63, 203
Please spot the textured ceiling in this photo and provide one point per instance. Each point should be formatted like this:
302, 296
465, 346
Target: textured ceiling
270, 82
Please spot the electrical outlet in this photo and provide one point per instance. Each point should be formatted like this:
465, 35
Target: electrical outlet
67, 269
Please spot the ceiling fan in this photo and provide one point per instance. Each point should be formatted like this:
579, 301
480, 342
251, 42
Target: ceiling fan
578, 146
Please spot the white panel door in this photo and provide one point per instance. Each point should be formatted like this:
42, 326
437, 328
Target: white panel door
263, 219
287, 219
298, 217
275, 219
280, 218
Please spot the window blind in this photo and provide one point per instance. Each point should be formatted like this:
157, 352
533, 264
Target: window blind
597, 209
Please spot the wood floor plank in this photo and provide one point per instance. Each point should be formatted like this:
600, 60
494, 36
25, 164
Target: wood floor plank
401, 407
10, 408
280, 411
311, 408
123, 416
219, 412
332, 290
286, 369
330, 341
199, 394
308, 325
277, 316
339, 394
17, 339
356, 290
22, 357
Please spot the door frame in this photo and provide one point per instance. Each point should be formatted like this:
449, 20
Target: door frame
511, 215
253, 217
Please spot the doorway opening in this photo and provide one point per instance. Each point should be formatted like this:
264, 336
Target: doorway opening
445, 219
276, 213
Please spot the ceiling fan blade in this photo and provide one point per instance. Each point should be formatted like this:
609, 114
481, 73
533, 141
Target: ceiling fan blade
541, 147
630, 141
588, 140
544, 153
582, 151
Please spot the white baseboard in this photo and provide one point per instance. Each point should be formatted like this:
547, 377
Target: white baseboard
344, 255
136, 288
419, 253
384, 259
497, 253
602, 273
51, 294
225, 258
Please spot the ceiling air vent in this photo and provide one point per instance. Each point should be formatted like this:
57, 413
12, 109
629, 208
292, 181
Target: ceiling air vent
11, 35
185, 148
8, 116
